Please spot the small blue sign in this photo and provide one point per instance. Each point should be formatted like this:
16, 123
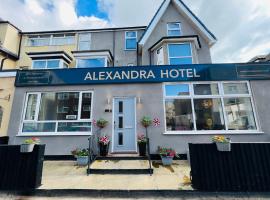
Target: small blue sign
143, 74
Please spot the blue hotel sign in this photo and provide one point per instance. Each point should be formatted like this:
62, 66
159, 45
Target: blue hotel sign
143, 74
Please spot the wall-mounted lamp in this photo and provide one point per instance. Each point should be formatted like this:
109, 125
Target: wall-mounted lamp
108, 105
7, 98
139, 100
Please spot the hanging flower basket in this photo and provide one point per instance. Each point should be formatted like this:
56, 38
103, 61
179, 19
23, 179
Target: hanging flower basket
27, 148
222, 143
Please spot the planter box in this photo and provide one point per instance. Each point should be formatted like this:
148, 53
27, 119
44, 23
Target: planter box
27, 148
103, 149
167, 160
142, 149
223, 146
82, 160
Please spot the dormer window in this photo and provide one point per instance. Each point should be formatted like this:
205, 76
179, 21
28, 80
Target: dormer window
174, 29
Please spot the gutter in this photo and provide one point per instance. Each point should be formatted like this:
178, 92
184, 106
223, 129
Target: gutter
2, 63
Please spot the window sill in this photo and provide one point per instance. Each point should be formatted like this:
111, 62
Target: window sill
54, 134
212, 132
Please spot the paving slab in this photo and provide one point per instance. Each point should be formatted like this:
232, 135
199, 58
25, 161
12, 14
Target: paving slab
67, 175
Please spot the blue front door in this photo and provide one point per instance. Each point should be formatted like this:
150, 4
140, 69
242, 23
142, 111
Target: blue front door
124, 137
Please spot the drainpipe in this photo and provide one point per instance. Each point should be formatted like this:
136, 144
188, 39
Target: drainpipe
2, 63
113, 48
150, 57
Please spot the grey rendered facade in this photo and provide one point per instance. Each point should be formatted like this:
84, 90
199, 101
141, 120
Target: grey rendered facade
151, 95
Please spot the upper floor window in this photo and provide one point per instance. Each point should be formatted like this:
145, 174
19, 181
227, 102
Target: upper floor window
91, 62
174, 29
48, 64
1, 115
131, 40
48, 40
84, 41
179, 53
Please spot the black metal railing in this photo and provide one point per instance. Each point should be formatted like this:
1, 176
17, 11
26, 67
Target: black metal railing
148, 151
91, 154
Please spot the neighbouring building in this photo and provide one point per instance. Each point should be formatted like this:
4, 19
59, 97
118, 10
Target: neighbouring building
67, 79
261, 58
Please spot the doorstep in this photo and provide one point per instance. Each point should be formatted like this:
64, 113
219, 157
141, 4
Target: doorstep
67, 175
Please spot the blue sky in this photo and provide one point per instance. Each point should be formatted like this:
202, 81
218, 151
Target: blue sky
241, 26
89, 8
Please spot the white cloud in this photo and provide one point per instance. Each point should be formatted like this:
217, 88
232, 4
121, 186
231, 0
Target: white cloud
241, 26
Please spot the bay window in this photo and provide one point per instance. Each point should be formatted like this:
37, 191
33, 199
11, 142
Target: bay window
218, 107
180, 53
49, 64
58, 112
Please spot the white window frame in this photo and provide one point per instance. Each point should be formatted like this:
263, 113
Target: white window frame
126, 37
87, 58
55, 133
50, 38
221, 96
88, 41
174, 29
180, 43
61, 63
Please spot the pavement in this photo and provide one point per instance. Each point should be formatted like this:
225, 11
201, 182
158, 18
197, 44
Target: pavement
67, 175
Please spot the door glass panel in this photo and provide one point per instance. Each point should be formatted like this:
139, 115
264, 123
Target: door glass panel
120, 106
120, 122
120, 138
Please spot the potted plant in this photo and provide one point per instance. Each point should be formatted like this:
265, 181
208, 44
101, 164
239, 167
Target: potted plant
101, 123
104, 145
146, 121
167, 155
222, 143
142, 140
81, 155
29, 144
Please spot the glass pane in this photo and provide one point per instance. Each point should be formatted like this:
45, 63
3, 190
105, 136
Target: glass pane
209, 114
31, 107
74, 127
235, 88
86, 106
131, 34
39, 127
84, 37
52, 64
70, 40
39, 64
180, 61
173, 25
58, 41
179, 50
84, 46
59, 106
174, 33
39, 41
120, 138
120, 106
120, 125
87, 63
206, 89
177, 90
131, 44
179, 114
239, 113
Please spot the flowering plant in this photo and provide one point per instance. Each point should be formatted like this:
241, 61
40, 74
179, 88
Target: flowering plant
167, 152
33, 140
80, 152
101, 123
220, 139
141, 138
104, 140
146, 121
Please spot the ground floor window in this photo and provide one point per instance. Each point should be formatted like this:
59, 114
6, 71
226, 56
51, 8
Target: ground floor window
58, 112
223, 106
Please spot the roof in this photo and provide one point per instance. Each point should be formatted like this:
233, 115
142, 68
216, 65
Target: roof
260, 58
210, 37
7, 22
85, 30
